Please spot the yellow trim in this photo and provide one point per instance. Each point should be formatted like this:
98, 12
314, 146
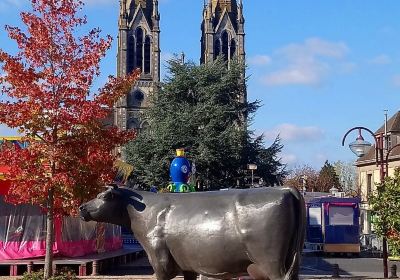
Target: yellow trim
10, 138
342, 248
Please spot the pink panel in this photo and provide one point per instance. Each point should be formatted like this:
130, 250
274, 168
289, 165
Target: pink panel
29, 249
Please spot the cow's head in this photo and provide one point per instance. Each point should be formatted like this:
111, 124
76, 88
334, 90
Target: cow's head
111, 206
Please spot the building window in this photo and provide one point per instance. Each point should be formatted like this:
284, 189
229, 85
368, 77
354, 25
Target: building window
217, 48
139, 48
135, 99
131, 54
147, 55
233, 49
225, 45
132, 124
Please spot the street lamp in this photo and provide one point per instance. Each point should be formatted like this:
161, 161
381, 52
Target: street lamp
360, 147
252, 167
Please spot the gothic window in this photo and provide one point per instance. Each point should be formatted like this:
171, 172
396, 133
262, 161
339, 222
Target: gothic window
225, 45
217, 48
233, 48
135, 99
147, 55
139, 48
131, 53
145, 125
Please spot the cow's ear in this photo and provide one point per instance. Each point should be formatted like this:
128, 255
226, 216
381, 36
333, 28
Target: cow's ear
108, 195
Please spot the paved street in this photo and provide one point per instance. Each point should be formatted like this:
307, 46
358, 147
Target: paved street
311, 267
322, 266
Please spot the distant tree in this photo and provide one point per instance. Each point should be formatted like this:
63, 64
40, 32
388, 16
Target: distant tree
45, 89
303, 176
348, 178
385, 204
328, 178
198, 108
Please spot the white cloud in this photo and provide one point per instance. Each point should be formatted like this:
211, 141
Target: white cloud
7, 5
380, 59
396, 80
291, 132
307, 63
289, 159
259, 60
299, 74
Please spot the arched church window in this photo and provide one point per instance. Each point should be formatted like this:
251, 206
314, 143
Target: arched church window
217, 48
131, 53
225, 45
233, 48
135, 98
139, 48
145, 125
147, 55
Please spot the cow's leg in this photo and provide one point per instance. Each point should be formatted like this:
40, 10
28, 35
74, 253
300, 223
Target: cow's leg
256, 272
189, 275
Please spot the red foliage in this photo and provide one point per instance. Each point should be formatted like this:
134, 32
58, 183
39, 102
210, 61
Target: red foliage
46, 94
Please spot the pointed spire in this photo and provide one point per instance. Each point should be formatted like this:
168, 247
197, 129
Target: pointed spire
209, 10
123, 15
156, 14
240, 16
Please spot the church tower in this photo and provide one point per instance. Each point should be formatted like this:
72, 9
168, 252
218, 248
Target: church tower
223, 34
138, 48
222, 30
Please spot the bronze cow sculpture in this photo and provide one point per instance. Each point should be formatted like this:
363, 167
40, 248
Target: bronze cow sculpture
221, 234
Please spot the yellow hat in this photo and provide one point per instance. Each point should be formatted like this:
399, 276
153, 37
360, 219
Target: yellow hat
180, 152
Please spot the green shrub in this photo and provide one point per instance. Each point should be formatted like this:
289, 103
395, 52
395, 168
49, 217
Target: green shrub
64, 274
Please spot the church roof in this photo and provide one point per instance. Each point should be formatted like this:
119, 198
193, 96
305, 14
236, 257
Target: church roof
146, 5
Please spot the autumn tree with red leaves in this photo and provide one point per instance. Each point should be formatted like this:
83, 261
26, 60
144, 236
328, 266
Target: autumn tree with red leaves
46, 95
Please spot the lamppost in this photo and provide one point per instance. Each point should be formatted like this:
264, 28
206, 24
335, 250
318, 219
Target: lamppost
360, 147
252, 167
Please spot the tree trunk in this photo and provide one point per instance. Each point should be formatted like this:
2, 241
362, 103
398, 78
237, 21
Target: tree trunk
48, 261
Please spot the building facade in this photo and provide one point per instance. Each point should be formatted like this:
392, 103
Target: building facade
369, 172
138, 48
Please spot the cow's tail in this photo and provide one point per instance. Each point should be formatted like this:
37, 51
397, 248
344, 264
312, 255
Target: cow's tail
298, 241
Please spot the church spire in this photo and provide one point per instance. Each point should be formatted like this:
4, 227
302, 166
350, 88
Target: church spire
156, 14
123, 15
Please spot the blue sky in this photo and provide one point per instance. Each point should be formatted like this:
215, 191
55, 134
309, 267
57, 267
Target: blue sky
318, 67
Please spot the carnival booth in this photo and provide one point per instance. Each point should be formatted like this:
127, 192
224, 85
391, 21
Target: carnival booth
333, 224
23, 231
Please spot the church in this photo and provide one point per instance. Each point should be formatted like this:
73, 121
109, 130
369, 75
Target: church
139, 48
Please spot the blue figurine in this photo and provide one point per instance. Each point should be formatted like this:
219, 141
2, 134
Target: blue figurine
180, 171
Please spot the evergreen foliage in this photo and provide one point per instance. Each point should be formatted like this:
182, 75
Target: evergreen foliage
328, 178
385, 205
198, 108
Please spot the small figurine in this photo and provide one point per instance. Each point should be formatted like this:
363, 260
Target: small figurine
180, 172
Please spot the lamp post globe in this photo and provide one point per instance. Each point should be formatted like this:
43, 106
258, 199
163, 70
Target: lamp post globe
360, 147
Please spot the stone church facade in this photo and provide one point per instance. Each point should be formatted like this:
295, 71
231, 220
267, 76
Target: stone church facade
139, 48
